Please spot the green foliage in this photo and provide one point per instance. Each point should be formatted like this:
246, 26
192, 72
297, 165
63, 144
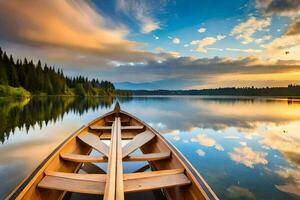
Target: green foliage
79, 90
6, 90
46, 80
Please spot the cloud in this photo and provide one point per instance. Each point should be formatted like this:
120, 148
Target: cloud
200, 152
289, 41
221, 37
287, 145
207, 141
232, 137
246, 156
288, 8
243, 143
202, 71
263, 39
176, 138
237, 192
215, 49
156, 37
176, 40
201, 30
244, 50
245, 30
219, 147
141, 11
205, 42
292, 177
53, 23
175, 54
293, 29
66, 31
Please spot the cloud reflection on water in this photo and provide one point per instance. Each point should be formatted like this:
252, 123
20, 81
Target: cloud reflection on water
238, 145
256, 133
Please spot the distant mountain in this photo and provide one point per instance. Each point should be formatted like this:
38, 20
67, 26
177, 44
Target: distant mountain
167, 84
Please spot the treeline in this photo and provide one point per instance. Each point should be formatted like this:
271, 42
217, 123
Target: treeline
291, 90
43, 79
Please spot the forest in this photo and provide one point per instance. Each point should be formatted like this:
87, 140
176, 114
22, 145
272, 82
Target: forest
24, 77
289, 91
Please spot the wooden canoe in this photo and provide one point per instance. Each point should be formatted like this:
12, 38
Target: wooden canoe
59, 174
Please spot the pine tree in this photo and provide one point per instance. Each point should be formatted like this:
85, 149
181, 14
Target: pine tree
37, 79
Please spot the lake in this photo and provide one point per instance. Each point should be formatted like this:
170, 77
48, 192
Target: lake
245, 148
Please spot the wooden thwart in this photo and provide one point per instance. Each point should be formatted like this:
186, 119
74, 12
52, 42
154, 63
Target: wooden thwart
103, 128
96, 183
125, 136
132, 127
72, 184
82, 158
83, 177
100, 128
114, 183
138, 175
148, 157
95, 142
143, 181
138, 141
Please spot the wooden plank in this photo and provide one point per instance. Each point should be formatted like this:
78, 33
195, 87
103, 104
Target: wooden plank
119, 178
83, 177
138, 175
150, 182
72, 185
149, 156
138, 141
110, 188
95, 142
101, 128
125, 136
82, 158
104, 128
132, 127
122, 121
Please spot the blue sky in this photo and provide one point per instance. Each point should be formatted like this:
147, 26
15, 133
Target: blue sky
153, 44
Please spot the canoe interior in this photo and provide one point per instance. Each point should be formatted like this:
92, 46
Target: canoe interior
70, 158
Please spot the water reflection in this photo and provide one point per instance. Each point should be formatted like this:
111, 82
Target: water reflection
19, 113
246, 148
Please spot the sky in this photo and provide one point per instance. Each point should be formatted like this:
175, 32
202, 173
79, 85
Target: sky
160, 44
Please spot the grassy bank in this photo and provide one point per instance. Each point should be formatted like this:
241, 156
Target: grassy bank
8, 91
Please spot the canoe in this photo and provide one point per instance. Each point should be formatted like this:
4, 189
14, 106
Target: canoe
117, 137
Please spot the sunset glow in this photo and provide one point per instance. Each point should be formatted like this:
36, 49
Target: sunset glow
194, 43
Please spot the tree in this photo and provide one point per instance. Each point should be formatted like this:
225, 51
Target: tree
79, 90
3, 75
37, 79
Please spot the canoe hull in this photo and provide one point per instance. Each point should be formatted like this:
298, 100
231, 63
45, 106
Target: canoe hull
197, 190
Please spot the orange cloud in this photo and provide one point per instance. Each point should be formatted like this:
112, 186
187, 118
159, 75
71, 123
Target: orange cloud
246, 156
69, 25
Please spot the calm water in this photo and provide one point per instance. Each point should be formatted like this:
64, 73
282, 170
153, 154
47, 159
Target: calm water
246, 148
